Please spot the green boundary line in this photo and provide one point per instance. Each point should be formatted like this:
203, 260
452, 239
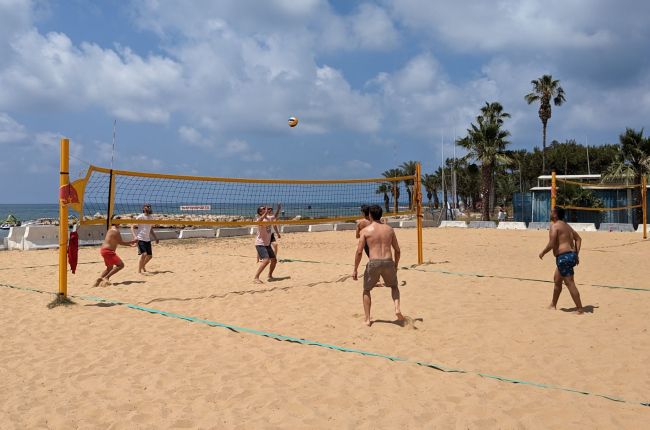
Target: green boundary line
302, 341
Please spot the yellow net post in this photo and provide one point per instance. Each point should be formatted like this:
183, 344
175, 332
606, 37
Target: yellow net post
644, 205
64, 179
418, 209
553, 190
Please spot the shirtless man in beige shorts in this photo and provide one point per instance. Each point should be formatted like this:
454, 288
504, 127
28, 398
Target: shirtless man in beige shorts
380, 238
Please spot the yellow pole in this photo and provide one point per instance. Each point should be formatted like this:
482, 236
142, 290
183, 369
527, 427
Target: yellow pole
418, 202
644, 205
553, 190
64, 179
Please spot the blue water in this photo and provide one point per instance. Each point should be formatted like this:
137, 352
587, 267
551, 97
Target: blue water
27, 212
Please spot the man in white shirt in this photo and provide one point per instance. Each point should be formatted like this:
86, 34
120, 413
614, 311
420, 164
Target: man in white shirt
144, 235
265, 253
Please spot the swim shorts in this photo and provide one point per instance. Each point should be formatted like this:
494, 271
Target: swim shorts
265, 252
376, 268
110, 257
566, 262
144, 247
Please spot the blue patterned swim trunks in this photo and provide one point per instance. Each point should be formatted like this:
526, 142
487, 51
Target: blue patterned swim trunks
566, 262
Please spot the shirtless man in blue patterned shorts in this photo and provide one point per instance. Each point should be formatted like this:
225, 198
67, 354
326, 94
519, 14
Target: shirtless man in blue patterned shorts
565, 243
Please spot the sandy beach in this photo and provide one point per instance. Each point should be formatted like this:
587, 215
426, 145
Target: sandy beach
104, 365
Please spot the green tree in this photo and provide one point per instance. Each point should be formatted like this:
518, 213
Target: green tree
430, 184
545, 89
394, 186
486, 142
408, 168
384, 189
631, 163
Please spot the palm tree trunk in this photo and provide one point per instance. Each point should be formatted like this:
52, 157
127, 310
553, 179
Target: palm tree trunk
544, 147
486, 184
436, 201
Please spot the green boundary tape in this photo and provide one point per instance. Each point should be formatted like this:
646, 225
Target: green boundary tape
302, 341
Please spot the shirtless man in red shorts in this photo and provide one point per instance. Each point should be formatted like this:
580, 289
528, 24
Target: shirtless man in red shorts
113, 263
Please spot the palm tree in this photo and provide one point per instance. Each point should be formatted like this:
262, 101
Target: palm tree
485, 142
384, 189
493, 112
408, 168
545, 89
631, 163
430, 184
394, 186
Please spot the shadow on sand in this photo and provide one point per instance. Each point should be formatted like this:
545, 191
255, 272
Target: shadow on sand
128, 283
407, 322
589, 309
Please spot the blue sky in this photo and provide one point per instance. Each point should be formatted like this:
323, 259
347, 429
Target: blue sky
205, 87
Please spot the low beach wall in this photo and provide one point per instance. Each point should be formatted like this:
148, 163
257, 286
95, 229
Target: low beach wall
47, 236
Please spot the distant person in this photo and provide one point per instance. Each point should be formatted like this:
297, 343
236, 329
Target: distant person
265, 252
565, 243
113, 263
380, 239
363, 223
274, 230
502, 215
143, 236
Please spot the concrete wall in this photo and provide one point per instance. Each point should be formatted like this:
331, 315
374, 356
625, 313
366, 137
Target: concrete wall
539, 226
345, 226
511, 225
321, 227
233, 231
616, 227
15, 238
453, 224
41, 237
482, 224
583, 226
201, 232
295, 228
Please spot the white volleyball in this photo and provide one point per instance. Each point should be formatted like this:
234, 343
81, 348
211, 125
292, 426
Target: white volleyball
293, 121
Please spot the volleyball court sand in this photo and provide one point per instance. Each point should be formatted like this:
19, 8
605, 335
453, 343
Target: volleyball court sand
102, 365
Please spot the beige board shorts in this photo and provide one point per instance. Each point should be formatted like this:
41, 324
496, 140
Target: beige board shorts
376, 268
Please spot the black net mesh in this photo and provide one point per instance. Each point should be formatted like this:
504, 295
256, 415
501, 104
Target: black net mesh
181, 200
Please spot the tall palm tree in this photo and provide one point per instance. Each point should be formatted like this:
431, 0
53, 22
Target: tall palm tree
545, 89
430, 184
408, 168
493, 112
394, 186
631, 163
486, 142
384, 189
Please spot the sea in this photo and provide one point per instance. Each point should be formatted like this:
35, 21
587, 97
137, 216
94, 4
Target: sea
27, 212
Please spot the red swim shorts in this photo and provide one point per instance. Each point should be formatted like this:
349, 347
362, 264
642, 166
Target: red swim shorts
110, 257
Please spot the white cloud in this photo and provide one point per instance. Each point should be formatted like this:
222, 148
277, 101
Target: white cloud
508, 24
233, 148
48, 71
357, 165
10, 130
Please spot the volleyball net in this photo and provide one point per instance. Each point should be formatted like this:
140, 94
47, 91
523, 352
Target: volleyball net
118, 195
107, 196
598, 200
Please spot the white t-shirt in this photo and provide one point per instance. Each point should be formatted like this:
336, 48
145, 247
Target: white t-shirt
144, 230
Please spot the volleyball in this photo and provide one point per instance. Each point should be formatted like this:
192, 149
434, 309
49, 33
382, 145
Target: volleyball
293, 121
